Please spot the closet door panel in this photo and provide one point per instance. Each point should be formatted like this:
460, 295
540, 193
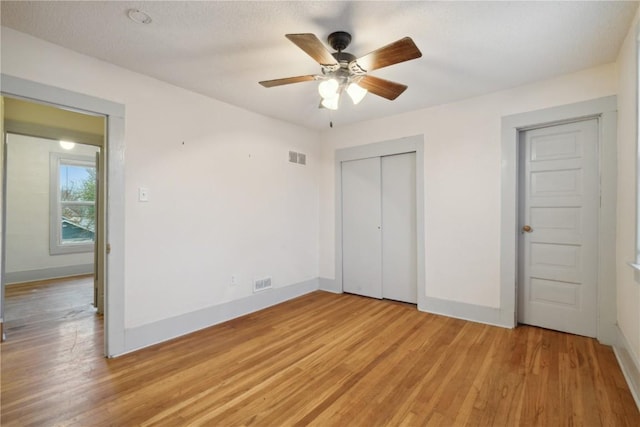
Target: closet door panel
399, 238
361, 223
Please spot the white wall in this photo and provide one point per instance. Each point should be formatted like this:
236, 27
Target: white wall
628, 290
223, 198
28, 187
462, 159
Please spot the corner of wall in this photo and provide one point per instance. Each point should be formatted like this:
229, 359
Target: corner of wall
629, 364
329, 285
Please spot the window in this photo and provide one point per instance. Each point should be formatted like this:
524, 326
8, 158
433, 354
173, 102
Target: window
73, 204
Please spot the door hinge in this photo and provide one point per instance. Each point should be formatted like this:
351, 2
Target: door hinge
108, 248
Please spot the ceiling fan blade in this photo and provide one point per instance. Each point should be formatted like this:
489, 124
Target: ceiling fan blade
399, 51
381, 87
313, 47
286, 81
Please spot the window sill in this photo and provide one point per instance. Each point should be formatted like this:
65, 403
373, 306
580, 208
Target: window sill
634, 265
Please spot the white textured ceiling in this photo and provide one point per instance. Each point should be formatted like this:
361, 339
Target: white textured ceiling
222, 49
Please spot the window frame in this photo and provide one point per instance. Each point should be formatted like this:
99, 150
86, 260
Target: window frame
56, 247
636, 265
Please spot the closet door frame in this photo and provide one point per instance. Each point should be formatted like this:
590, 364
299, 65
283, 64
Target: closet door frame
380, 149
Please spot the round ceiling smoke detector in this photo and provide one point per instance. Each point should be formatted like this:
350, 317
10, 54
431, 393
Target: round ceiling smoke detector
139, 16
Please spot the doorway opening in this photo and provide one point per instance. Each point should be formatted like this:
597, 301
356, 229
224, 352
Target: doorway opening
113, 160
54, 215
603, 110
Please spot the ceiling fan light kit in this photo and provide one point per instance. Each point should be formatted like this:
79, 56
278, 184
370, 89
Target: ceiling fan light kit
343, 72
331, 89
356, 92
328, 88
331, 103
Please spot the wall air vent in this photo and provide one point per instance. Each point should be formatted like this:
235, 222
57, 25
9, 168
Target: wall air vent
261, 284
299, 158
293, 157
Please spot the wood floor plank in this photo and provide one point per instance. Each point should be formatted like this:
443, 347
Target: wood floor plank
319, 360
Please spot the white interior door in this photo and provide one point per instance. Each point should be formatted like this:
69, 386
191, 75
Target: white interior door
399, 237
558, 219
361, 222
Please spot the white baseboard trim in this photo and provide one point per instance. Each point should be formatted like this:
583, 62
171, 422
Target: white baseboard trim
629, 364
465, 311
164, 330
459, 310
47, 273
329, 285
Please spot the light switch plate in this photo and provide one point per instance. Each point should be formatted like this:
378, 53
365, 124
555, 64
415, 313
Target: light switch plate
143, 194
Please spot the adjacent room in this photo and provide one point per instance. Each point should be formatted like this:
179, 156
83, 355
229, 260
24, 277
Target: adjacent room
320, 213
50, 264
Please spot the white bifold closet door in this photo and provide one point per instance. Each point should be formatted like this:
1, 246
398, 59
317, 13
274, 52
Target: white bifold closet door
361, 226
399, 240
379, 227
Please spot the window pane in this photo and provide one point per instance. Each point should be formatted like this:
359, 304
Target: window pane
78, 223
77, 183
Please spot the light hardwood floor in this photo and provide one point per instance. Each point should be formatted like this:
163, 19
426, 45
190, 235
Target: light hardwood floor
47, 299
322, 359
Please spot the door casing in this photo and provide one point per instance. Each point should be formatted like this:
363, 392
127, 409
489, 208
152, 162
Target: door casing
604, 110
380, 149
378, 224
114, 160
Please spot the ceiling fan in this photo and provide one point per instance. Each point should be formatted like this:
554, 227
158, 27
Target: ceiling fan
342, 71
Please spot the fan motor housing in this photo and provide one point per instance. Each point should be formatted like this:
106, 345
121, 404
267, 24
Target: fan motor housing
339, 40
343, 57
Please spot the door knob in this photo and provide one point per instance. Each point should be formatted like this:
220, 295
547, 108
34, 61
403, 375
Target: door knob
527, 229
